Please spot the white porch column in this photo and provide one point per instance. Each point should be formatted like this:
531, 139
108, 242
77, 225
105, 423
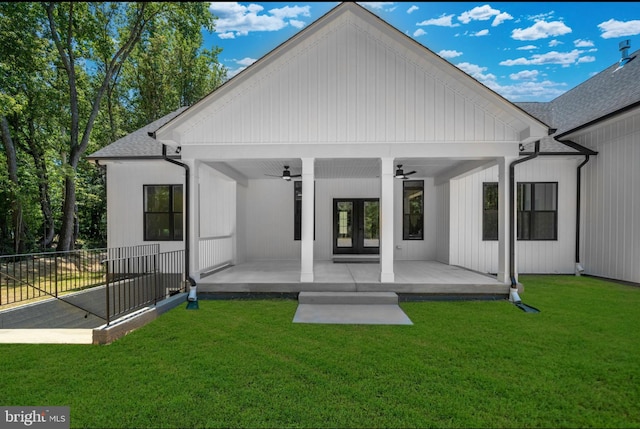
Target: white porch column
194, 221
308, 209
504, 252
386, 221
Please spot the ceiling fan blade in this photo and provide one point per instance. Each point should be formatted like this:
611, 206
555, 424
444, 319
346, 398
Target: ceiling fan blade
411, 172
273, 175
296, 175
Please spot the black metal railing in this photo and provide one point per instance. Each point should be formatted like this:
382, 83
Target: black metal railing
135, 280
27, 277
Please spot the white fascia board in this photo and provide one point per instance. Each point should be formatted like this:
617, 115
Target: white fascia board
351, 150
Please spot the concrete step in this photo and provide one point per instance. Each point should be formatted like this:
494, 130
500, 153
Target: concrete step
348, 298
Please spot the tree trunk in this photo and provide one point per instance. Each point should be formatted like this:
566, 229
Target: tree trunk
12, 166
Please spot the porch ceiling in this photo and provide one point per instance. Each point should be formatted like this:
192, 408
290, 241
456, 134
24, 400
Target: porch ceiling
338, 168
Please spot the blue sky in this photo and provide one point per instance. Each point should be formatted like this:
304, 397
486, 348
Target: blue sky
525, 51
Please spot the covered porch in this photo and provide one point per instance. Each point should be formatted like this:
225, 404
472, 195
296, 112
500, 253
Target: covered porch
411, 277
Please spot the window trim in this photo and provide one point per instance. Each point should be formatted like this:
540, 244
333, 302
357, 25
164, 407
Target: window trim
405, 233
171, 212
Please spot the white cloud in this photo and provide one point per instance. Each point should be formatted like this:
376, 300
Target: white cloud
236, 20
500, 18
529, 89
419, 32
564, 59
554, 43
586, 59
477, 72
478, 13
579, 43
527, 48
541, 30
445, 53
412, 9
442, 21
525, 75
480, 33
612, 28
377, 5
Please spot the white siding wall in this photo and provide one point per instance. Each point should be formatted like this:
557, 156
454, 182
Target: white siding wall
610, 246
321, 90
268, 214
467, 248
125, 211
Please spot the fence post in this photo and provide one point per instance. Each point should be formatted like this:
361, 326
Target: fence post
106, 288
55, 267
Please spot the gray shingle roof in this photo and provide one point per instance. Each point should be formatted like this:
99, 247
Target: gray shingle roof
610, 91
138, 144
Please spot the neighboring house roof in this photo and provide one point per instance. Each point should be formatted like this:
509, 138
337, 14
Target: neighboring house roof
613, 90
138, 144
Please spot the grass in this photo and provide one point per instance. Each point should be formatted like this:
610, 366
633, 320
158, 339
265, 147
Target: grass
462, 364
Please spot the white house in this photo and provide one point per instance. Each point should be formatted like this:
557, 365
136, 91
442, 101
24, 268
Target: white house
348, 108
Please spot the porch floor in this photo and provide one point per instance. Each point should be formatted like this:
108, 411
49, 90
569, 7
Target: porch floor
411, 277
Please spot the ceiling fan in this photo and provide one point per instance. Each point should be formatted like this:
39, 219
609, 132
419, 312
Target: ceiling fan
400, 174
286, 174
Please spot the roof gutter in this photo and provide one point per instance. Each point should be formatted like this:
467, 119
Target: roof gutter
192, 291
513, 292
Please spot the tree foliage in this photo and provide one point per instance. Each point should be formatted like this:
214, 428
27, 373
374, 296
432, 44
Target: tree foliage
74, 77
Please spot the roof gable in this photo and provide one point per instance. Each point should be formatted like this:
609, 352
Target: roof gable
351, 77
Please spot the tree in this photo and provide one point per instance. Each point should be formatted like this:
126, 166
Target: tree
102, 36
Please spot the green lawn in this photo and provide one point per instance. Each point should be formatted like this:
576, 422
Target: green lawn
462, 364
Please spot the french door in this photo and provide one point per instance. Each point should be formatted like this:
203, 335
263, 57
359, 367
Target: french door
356, 226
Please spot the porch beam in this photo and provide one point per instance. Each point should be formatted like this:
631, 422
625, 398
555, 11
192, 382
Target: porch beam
308, 209
386, 221
465, 168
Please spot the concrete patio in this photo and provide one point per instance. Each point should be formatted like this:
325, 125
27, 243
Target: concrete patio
411, 277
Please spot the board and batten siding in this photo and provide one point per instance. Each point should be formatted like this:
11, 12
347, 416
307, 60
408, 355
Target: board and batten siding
125, 211
268, 212
610, 244
346, 83
466, 247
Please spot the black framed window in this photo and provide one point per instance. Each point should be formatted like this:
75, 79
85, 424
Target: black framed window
537, 206
490, 211
297, 211
163, 212
413, 209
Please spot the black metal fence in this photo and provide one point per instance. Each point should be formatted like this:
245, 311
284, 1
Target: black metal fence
30, 276
138, 280
132, 277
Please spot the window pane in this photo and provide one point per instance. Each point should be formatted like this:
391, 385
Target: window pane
523, 225
545, 194
157, 226
524, 196
490, 225
413, 207
156, 198
544, 226
177, 226
177, 199
490, 196
371, 224
345, 224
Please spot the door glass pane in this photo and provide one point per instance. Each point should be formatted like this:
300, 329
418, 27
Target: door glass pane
345, 224
371, 224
